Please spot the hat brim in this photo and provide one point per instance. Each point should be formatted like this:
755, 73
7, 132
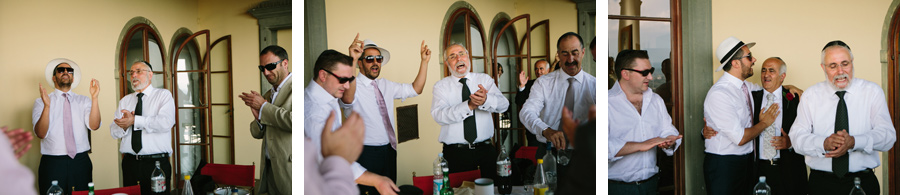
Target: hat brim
384, 53
722, 65
50, 70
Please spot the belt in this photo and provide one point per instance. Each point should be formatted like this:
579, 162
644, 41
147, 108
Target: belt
634, 182
470, 146
768, 162
151, 156
867, 170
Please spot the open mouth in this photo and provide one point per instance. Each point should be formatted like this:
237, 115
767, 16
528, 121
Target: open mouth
374, 68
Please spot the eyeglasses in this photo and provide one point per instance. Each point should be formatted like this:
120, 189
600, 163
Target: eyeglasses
65, 70
749, 55
269, 66
372, 59
138, 71
453, 56
342, 80
643, 72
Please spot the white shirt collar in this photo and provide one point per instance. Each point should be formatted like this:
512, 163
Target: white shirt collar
278, 88
733, 80
777, 93
318, 93
360, 78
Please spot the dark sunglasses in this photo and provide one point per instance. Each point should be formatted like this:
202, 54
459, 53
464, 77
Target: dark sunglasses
749, 56
643, 72
64, 69
342, 80
269, 66
372, 59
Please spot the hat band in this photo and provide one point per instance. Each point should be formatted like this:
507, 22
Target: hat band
731, 52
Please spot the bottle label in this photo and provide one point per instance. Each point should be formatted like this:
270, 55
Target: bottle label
504, 168
158, 184
438, 184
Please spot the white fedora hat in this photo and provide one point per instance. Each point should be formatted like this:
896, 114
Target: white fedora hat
384, 52
727, 49
51, 70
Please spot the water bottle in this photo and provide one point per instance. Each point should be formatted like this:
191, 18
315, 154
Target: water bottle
55, 189
445, 188
90, 188
158, 180
540, 179
550, 167
504, 170
761, 187
857, 189
188, 190
438, 174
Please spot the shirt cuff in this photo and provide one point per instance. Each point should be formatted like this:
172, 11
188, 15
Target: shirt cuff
139, 123
358, 170
521, 89
259, 112
861, 143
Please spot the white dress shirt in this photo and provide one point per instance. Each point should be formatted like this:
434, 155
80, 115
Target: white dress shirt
155, 122
275, 92
55, 141
543, 109
317, 106
367, 106
450, 111
776, 124
727, 112
869, 120
627, 125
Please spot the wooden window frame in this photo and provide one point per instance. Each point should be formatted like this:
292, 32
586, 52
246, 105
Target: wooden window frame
469, 19
893, 80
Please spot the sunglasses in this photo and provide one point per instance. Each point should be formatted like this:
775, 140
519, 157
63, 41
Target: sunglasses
372, 59
65, 70
749, 55
643, 72
269, 66
342, 80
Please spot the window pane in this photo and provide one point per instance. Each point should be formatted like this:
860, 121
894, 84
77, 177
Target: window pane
651, 8
653, 36
188, 58
189, 85
222, 150
477, 45
221, 117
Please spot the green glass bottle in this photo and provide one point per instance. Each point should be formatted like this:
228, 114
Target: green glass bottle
90, 188
446, 189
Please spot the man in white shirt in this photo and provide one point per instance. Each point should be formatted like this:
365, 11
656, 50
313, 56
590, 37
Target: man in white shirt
373, 100
462, 105
727, 166
568, 87
61, 119
842, 125
144, 122
272, 121
638, 124
332, 76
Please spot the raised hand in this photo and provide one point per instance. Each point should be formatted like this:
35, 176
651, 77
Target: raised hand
95, 88
523, 78
44, 97
20, 140
425, 52
356, 48
346, 141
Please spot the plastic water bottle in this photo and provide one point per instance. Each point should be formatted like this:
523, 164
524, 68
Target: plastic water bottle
540, 179
504, 170
158, 180
438, 174
188, 190
761, 187
55, 189
550, 167
857, 189
90, 188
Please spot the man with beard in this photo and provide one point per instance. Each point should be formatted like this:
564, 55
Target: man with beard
728, 110
373, 100
61, 119
144, 121
842, 126
462, 105
569, 87
774, 158
272, 121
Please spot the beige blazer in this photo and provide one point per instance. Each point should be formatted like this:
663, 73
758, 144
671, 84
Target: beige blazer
276, 134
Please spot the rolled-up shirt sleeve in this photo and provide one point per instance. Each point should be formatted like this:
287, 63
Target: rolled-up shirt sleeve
719, 110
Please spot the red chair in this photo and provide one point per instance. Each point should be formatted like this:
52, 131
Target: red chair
456, 179
426, 183
234, 175
130, 190
527, 152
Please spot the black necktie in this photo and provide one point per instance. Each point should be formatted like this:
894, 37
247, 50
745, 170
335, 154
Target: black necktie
840, 165
469, 123
136, 135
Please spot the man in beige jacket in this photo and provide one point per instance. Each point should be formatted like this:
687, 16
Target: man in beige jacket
272, 123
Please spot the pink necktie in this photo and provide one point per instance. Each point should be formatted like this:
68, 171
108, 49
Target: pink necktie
384, 116
67, 126
747, 94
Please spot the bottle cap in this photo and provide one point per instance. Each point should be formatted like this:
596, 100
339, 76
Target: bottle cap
540, 161
441, 154
90, 184
187, 177
54, 182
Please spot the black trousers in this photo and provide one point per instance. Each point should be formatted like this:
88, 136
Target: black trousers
464, 159
821, 182
66, 171
728, 174
381, 160
134, 170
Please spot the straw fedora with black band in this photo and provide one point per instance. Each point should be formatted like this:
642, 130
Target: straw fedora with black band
384, 52
51, 70
728, 48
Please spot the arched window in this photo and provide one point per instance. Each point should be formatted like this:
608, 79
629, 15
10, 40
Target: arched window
464, 26
190, 99
141, 41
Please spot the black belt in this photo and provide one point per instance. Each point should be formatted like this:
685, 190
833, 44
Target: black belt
768, 162
470, 146
151, 156
848, 174
634, 182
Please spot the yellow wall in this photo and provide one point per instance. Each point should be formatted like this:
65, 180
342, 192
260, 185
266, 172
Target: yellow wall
796, 31
400, 26
34, 32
